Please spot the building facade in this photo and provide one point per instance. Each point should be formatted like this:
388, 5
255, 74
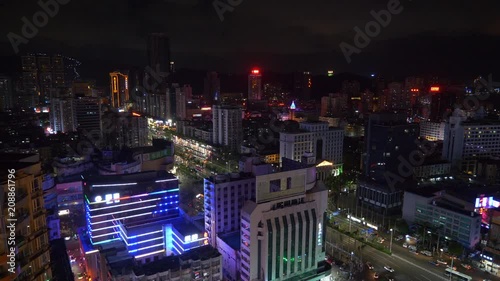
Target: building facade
448, 219
432, 131
227, 126
465, 140
255, 85
314, 137
32, 249
119, 89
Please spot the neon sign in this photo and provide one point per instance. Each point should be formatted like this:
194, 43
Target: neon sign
109, 198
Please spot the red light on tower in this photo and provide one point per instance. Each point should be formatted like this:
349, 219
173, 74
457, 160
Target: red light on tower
435, 89
255, 71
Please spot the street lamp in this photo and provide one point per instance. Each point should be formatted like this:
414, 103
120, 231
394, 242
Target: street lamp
390, 244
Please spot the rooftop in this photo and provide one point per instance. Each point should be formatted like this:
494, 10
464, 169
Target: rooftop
200, 253
448, 205
233, 240
427, 192
11, 157
185, 228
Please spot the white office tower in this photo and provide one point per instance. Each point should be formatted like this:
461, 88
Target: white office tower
282, 231
227, 126
267, 223
313, 137
465, 140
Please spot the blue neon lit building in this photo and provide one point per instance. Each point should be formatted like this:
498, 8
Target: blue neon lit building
133, 208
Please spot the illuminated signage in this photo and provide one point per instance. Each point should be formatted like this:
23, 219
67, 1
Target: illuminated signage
330, 73
435, 89
414, 90
109, 198
320, 234
487, 203
293, 107
115, 85
255, 71
136, 114
206, 108
63, 212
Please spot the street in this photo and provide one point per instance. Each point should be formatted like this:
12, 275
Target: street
407, 266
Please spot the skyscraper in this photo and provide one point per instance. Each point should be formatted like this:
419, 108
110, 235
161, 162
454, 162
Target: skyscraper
302, 83
41, 75
5, 93
255, 85
271, 223
32, 248
227, 126
62, 115
119, 89
211, 88
159, 52
388, 137
88, 114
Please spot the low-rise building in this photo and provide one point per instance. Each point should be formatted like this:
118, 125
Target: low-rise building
430, 206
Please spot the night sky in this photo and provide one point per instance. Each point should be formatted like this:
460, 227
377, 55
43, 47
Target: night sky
440, 36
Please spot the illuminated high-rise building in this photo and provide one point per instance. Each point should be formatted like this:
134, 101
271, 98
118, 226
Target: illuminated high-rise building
6, 93
268, 224
255, 85
119, 89
62, 115
227, 126
42, 74
138, 212
32, 248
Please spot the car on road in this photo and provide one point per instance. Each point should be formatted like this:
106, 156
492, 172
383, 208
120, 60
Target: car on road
412, 247
369, 265
80, 276
466, 266
400, 237
434, 263
381, 240
375, 275
427, 253
388, 268
441, 262
405, 245
390, 278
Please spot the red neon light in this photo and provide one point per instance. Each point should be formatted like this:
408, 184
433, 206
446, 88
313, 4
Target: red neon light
435, 89
414, 90
255, 71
